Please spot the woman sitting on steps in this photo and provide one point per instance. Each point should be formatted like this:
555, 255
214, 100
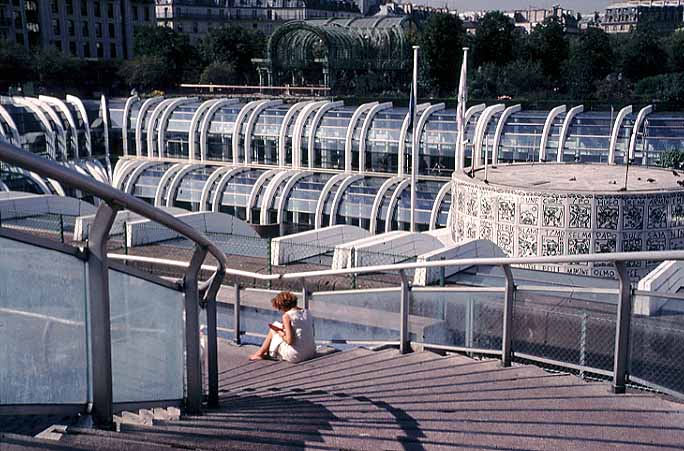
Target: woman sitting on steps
293, 340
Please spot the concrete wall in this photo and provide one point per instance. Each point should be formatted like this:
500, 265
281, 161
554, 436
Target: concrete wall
667, 278
342, 257
21, 207
307, 244
395, 249
83, 223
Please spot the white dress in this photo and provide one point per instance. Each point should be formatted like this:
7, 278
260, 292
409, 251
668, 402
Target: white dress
303, 346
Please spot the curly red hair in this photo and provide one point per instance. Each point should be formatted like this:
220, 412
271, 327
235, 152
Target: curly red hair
284, 301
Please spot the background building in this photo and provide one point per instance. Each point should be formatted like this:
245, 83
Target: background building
197, 17
664, 16
82, 28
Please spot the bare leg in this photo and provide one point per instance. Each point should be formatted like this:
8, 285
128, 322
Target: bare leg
263, 350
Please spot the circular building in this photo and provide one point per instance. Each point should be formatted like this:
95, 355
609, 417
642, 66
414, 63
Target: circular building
557, 209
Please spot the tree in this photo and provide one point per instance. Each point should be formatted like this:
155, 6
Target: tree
236, 46
676, 51
494, 40
146, 73
219, 74
441, 41
643, 56
54, 70
550, 47
591, 59
162, 45
661, 88
15, 64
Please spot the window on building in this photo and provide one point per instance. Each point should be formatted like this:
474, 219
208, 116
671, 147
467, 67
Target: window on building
72, 48
55, 6
84, 8
84, 29
110, 10
112, 32
69, 5
85, 50
70, 27
98, 10
100, 51
166, 11
195, 27
112, 50
98, 29
147, 14
55, 27
20, 38
58, 45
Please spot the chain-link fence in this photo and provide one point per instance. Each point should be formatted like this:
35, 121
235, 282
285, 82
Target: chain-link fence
54, 226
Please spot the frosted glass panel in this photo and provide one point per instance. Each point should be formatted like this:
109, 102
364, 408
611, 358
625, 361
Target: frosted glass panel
42, 326
147, 339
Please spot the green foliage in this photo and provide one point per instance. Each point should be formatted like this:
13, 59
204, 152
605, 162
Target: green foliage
494, 40
54, 70
673, 159
441, 42
147, 72
591, 59
675, 47
661, 88
643, 55
15, 64
219, 74
549, 46
236, 46
517, 78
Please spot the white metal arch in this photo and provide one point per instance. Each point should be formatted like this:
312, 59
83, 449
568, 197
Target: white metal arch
80, 107
122, 168
54, 101
499, 130
481, 129
164, 122
393, 203
286, 192
206, 121
3, 187
421, 125
248, 108
441, 194
298, 131
349, 137
105, 121
152, 123
218, 193
282, 135
251, 122
269, 194
96, 171
565, 128
135, 174
546, 131
47, 127
194, 125
325, 192
645, 111
363, 136
125, 121
56, 187
173, 187
14, 131
140, 121
337, 200
377, 202
402, 137
206, 190
314, 128
251, 200
3, 133
166, 181
58, 125
470, 112
616, 131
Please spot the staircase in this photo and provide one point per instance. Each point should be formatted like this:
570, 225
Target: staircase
371, 400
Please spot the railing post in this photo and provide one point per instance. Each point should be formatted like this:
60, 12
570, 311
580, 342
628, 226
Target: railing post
236, 313
99, 317
404, 339
442, 274
212, 339
125, 237
306, 295
624, 316
269, 263
507, 335
192, 331
61, 228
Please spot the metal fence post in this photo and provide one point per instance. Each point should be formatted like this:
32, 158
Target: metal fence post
442, 274
306, 295
212, 339
583, 343
192, 331
99, 316
624, 316
236, 313
61, 228
269, 263
125, 237
404, 339
507, 335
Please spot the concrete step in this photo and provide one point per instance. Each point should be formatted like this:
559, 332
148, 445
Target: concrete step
110, 441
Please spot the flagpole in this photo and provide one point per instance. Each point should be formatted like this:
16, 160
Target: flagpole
460, 114
416, 141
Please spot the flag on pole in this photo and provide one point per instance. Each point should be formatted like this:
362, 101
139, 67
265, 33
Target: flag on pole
461, 108
412, 109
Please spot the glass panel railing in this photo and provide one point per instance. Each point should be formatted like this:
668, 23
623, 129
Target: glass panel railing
43, 352
147, 339
570, 326
460, 317
657, 341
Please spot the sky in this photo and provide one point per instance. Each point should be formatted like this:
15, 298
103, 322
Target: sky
471, 5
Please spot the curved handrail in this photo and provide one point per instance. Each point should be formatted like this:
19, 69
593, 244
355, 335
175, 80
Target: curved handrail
13, 155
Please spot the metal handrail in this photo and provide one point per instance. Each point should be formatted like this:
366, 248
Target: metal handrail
97, 277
